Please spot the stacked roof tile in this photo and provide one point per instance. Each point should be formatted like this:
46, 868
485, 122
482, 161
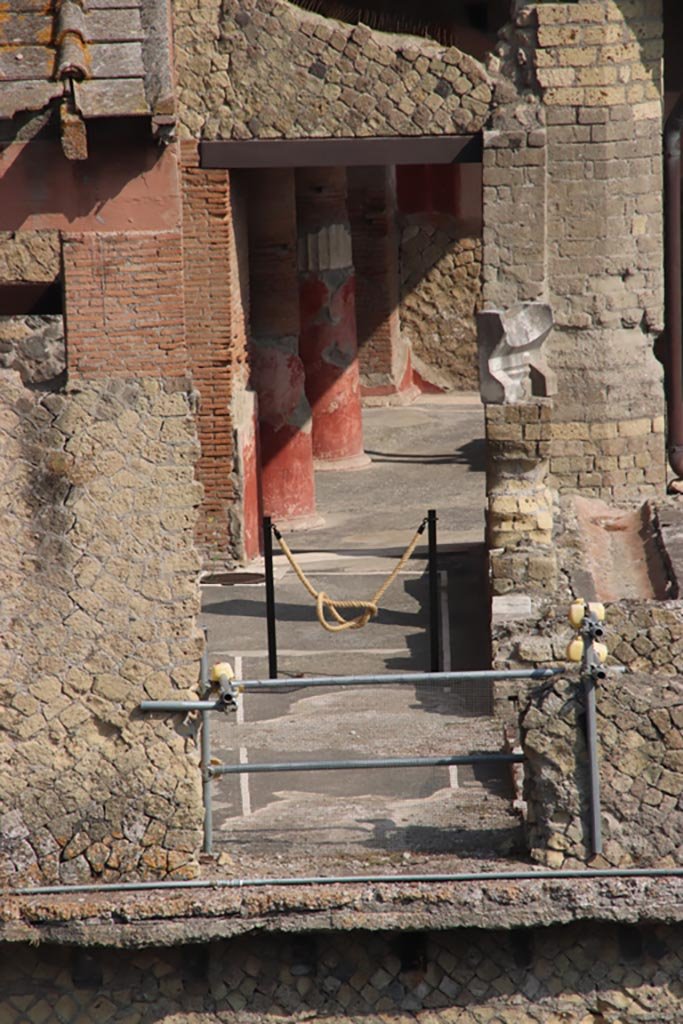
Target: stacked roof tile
111, 57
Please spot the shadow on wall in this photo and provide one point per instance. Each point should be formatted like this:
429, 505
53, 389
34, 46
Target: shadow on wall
440, 258
471, 25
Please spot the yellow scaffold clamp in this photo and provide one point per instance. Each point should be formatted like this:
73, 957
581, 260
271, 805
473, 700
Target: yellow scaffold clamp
579, 608
586, 648
222, 676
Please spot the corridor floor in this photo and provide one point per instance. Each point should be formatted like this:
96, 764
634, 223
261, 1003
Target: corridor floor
427, 455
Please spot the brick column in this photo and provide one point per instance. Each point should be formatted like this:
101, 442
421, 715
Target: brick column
277, 371
329, 347
384, 357
215, 281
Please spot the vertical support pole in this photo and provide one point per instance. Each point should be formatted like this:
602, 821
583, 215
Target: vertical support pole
434, 624
205, 752
593, 769
591, 671
270, 596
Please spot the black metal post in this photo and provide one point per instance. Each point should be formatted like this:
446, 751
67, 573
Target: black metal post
434, 623
205, 742
270, 596
593, 767
591, 671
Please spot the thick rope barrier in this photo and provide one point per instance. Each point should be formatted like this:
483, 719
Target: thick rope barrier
323, 602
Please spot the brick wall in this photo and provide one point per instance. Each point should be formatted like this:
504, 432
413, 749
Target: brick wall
215, 303
384, 358
124, 304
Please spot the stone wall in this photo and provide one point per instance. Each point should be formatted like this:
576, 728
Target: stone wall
593, 973
519, 514
640, 752
267, 69
29, 255
630, 559
572, 216
99, 573
34, 346
440, 293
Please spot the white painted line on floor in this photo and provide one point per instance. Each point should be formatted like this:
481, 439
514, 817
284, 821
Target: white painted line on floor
295, 653
317, 572
364, 572
244, 757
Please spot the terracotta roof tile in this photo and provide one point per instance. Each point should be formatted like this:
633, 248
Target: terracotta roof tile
117, 51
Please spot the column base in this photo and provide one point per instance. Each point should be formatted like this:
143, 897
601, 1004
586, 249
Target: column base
351, 462
294, 523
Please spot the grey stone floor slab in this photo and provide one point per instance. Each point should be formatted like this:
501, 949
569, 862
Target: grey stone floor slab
428, 455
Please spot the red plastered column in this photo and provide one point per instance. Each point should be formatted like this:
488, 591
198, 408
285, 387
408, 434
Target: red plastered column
278, 377
328, 340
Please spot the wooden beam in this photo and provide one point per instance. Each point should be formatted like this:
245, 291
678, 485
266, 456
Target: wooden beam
378, 151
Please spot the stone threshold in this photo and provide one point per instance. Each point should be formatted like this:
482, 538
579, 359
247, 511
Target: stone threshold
169, 917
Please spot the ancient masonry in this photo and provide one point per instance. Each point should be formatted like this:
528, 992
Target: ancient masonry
573, 217
99, 507
597, 974
121, 480
639, 723
265, 69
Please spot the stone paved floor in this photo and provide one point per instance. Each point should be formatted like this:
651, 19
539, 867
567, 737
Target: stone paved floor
428, 455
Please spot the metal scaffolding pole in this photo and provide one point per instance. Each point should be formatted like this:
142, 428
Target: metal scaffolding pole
382, 762
205, 752
402, 679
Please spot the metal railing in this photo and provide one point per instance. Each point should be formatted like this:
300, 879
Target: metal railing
229, 689
590, 629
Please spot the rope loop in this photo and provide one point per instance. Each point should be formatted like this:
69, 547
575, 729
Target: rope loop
324, 603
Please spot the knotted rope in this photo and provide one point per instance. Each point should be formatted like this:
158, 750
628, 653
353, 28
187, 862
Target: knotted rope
323, 601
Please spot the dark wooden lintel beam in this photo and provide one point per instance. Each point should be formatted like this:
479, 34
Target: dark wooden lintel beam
419, 149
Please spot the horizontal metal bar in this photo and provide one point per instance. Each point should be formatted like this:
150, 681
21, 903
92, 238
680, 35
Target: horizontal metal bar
479, 877
181, 705
353, 152
400, 679
384, 762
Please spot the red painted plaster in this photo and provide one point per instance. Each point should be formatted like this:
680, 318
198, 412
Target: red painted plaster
287, 481
409, 383
252, 504
127, 187
329, 351
285, 441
